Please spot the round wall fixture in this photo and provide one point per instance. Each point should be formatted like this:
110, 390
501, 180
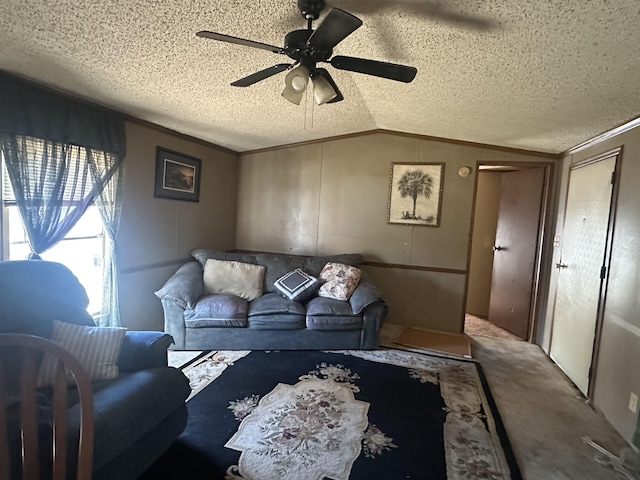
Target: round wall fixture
464, 171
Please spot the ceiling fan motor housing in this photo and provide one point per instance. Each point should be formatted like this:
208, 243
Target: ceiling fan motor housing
295, 46
310, 9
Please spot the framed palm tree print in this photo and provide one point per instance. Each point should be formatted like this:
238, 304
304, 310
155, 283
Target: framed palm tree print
415, 194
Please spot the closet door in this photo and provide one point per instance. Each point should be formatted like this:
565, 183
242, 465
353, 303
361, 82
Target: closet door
583, 267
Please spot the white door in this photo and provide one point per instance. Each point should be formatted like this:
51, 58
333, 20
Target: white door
584, 245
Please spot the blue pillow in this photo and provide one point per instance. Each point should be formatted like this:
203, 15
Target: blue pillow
297, 285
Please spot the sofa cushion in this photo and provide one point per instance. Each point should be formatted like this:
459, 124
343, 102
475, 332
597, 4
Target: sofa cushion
130, 406
330, 314
217, 310
96, 348
277, 322
273, 311
276, 266
274, 304
314, 265
297, 285
202, 255
241, 279
339, 280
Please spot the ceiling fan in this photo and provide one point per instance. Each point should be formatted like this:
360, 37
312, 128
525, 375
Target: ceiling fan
309, 47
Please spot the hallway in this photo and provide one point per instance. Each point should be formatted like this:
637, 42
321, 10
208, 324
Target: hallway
544, 414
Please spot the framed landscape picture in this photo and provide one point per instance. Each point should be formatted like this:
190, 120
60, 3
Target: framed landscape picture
177, 176
415, 194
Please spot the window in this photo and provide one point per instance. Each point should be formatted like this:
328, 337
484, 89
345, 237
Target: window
82, 249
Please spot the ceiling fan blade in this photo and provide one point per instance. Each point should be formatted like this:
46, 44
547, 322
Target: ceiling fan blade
322, 72
261, 75
239, 41
335, 27
434, 10
392, 71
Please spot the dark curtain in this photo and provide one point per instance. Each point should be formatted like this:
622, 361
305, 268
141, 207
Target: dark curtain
52, 185
61, 154
30, 110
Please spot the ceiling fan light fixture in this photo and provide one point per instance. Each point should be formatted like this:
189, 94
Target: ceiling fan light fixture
296, 84
308, 47
323, 91
293, 97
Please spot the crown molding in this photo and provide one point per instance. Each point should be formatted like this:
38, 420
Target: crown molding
625, 127
553, 156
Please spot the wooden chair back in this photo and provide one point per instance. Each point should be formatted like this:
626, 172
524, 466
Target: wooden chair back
19, 358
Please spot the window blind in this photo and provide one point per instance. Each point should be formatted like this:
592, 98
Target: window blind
40, 152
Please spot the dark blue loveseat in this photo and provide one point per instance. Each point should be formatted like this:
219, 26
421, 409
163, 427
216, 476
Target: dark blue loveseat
270, 322
139, 413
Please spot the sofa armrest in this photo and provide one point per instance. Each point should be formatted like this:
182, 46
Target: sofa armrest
372, 318
143, 350
184, 287
365, 294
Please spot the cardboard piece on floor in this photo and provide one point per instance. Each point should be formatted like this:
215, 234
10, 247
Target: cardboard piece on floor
452, 343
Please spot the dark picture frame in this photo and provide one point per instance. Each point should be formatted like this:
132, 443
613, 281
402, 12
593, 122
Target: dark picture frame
177, 176
415, 194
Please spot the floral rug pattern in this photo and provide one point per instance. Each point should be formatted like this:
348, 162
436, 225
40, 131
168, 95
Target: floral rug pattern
293, 429
306, 431
317, 428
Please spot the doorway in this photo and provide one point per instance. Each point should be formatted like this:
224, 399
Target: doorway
506, 245
583, 267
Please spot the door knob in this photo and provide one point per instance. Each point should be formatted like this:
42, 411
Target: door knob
497, 248
561, 265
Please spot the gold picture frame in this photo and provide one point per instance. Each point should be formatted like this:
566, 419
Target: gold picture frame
415, 194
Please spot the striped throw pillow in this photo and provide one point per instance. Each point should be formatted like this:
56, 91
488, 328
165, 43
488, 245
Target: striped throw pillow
96, 348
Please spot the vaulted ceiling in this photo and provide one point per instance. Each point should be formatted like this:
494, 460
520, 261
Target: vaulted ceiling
539, 75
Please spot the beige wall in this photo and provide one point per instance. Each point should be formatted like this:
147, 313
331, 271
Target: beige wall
157, 234
617, 372
331, 197
485, 220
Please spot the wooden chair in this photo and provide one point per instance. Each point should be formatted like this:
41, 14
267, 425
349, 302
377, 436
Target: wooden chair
19, 357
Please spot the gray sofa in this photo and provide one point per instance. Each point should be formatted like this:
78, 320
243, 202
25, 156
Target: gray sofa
272, 321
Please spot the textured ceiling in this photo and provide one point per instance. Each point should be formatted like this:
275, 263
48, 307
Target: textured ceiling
539, 75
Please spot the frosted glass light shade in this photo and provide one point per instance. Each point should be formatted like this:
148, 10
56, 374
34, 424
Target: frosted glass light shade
292, 96
323, 92
295, 84
299, 83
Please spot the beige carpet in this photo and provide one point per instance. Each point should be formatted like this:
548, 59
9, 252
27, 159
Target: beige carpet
484, 328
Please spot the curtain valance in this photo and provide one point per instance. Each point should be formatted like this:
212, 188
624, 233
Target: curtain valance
30, 110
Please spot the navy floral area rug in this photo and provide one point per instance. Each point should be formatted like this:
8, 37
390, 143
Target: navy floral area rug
312, 415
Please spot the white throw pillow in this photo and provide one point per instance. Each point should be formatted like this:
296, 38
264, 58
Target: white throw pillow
96, 348
241, 279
